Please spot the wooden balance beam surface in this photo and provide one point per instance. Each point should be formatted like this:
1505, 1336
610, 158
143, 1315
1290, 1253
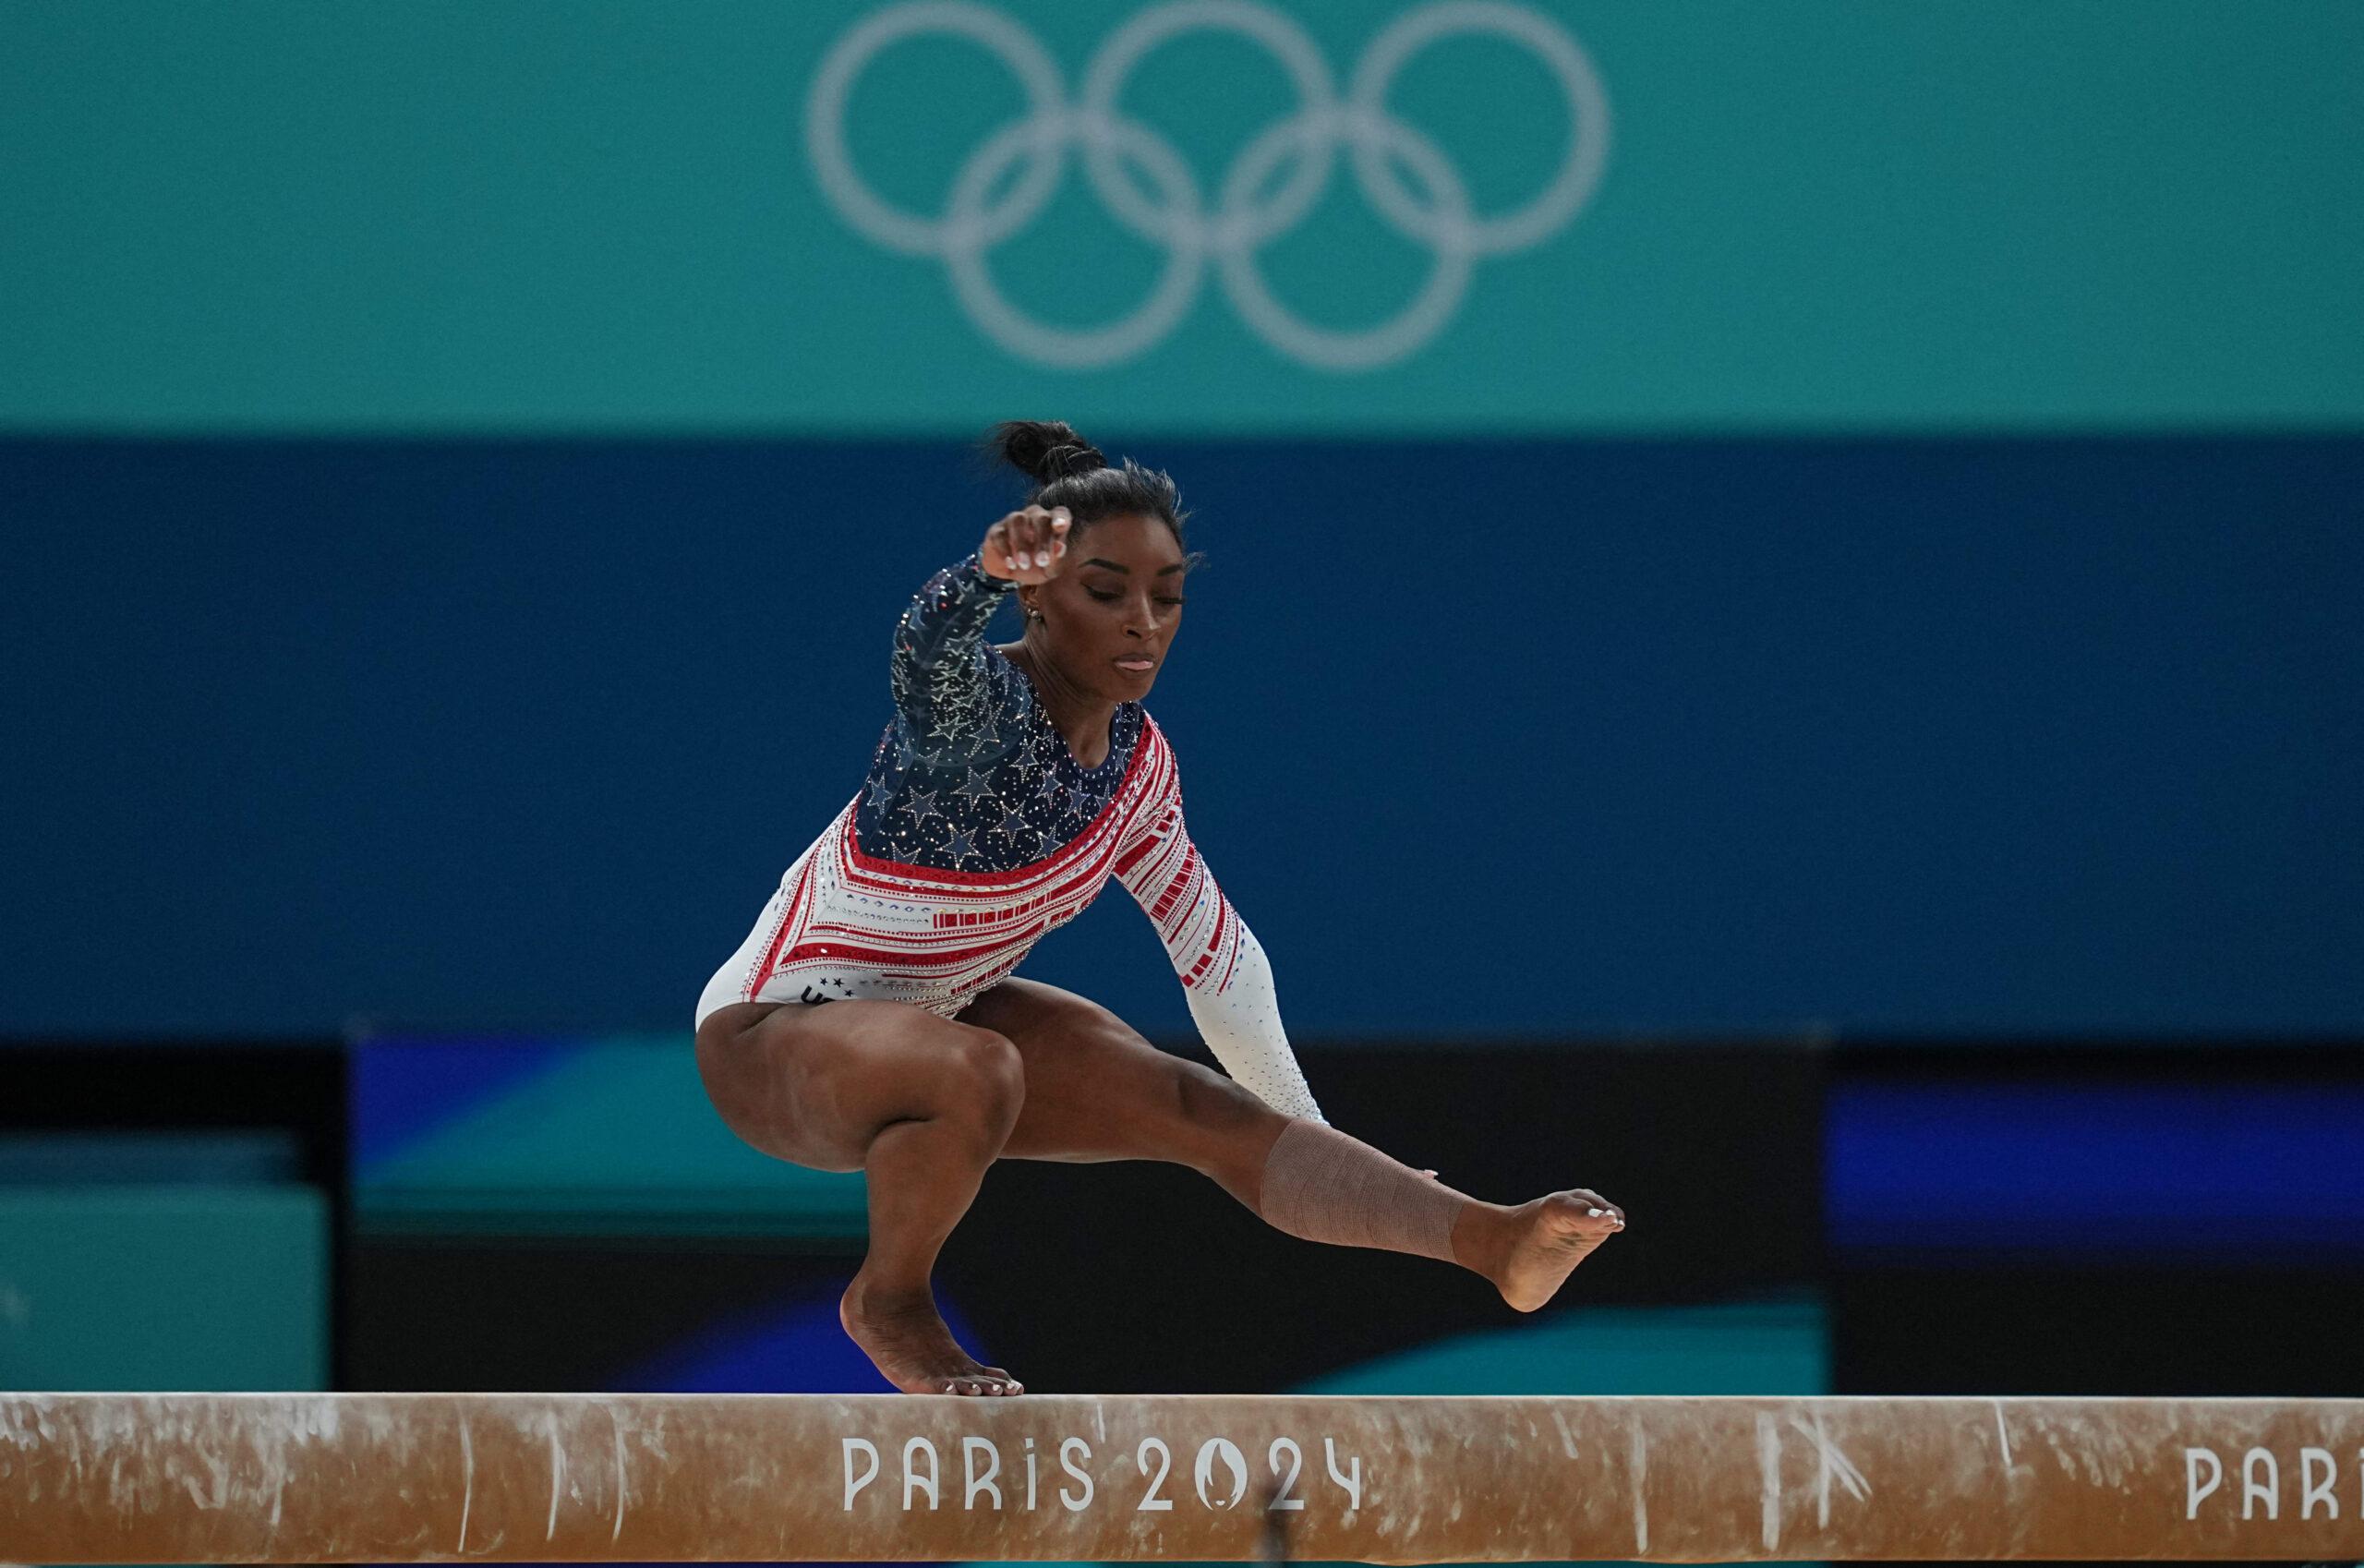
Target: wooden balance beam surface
195, 1477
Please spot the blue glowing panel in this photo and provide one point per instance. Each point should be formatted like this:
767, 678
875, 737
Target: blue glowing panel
2197, 1168
404, 1092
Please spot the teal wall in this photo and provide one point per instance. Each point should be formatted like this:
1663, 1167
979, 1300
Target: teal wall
263, 215
164, 1287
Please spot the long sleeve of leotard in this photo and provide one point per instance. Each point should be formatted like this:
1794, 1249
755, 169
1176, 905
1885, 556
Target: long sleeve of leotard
949, 687
1226, 977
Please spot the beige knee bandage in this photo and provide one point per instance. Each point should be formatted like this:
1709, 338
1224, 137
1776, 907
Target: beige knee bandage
1323, 1186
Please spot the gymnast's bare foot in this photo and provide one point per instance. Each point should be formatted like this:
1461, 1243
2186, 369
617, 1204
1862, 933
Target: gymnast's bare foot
1540, 1242
905, 1338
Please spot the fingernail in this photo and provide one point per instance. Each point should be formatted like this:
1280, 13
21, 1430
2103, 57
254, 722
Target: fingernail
1594, 1212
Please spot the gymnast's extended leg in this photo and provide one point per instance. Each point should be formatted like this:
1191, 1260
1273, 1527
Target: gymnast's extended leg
1096, 1090
922, 1104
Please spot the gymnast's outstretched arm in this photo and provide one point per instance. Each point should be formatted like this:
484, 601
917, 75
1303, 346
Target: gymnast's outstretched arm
1225, 976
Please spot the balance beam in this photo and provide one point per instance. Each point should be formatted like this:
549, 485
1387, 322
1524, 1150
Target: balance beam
398, 1479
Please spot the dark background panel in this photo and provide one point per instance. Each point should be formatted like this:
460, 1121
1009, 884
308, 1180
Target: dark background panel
2194, 1326
296, 1091
2095, 1293
508, 1314
1138, 1277
1960, 737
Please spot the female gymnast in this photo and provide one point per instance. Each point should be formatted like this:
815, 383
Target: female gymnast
1011, 784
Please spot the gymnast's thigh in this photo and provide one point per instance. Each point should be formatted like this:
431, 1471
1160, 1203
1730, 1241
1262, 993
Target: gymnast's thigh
1096, 1090
812, 1083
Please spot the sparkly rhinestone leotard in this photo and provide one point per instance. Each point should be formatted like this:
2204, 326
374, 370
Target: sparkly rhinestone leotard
978, 831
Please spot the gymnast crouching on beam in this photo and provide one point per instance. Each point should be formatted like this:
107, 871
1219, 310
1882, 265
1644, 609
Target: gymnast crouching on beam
1011, 784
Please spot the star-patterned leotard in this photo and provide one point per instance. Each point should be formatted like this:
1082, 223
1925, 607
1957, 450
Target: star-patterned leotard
978, 831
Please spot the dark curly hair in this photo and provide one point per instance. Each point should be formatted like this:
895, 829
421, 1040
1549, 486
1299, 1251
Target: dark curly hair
1065, 470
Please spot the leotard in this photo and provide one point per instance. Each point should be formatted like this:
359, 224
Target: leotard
977, 831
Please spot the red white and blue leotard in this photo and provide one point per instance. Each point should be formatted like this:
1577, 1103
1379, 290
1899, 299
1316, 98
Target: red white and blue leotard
978, 831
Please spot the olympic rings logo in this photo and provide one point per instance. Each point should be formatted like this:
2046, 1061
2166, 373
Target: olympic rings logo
1176, 216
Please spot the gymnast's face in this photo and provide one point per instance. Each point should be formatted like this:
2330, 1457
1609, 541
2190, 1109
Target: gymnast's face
1110, 615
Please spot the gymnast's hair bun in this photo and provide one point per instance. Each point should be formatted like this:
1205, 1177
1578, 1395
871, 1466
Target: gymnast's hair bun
1044, 450
1065, 470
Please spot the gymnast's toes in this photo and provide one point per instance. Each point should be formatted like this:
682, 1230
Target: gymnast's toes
992, 1383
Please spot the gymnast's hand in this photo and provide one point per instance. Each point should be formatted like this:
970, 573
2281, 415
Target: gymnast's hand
1026, 547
